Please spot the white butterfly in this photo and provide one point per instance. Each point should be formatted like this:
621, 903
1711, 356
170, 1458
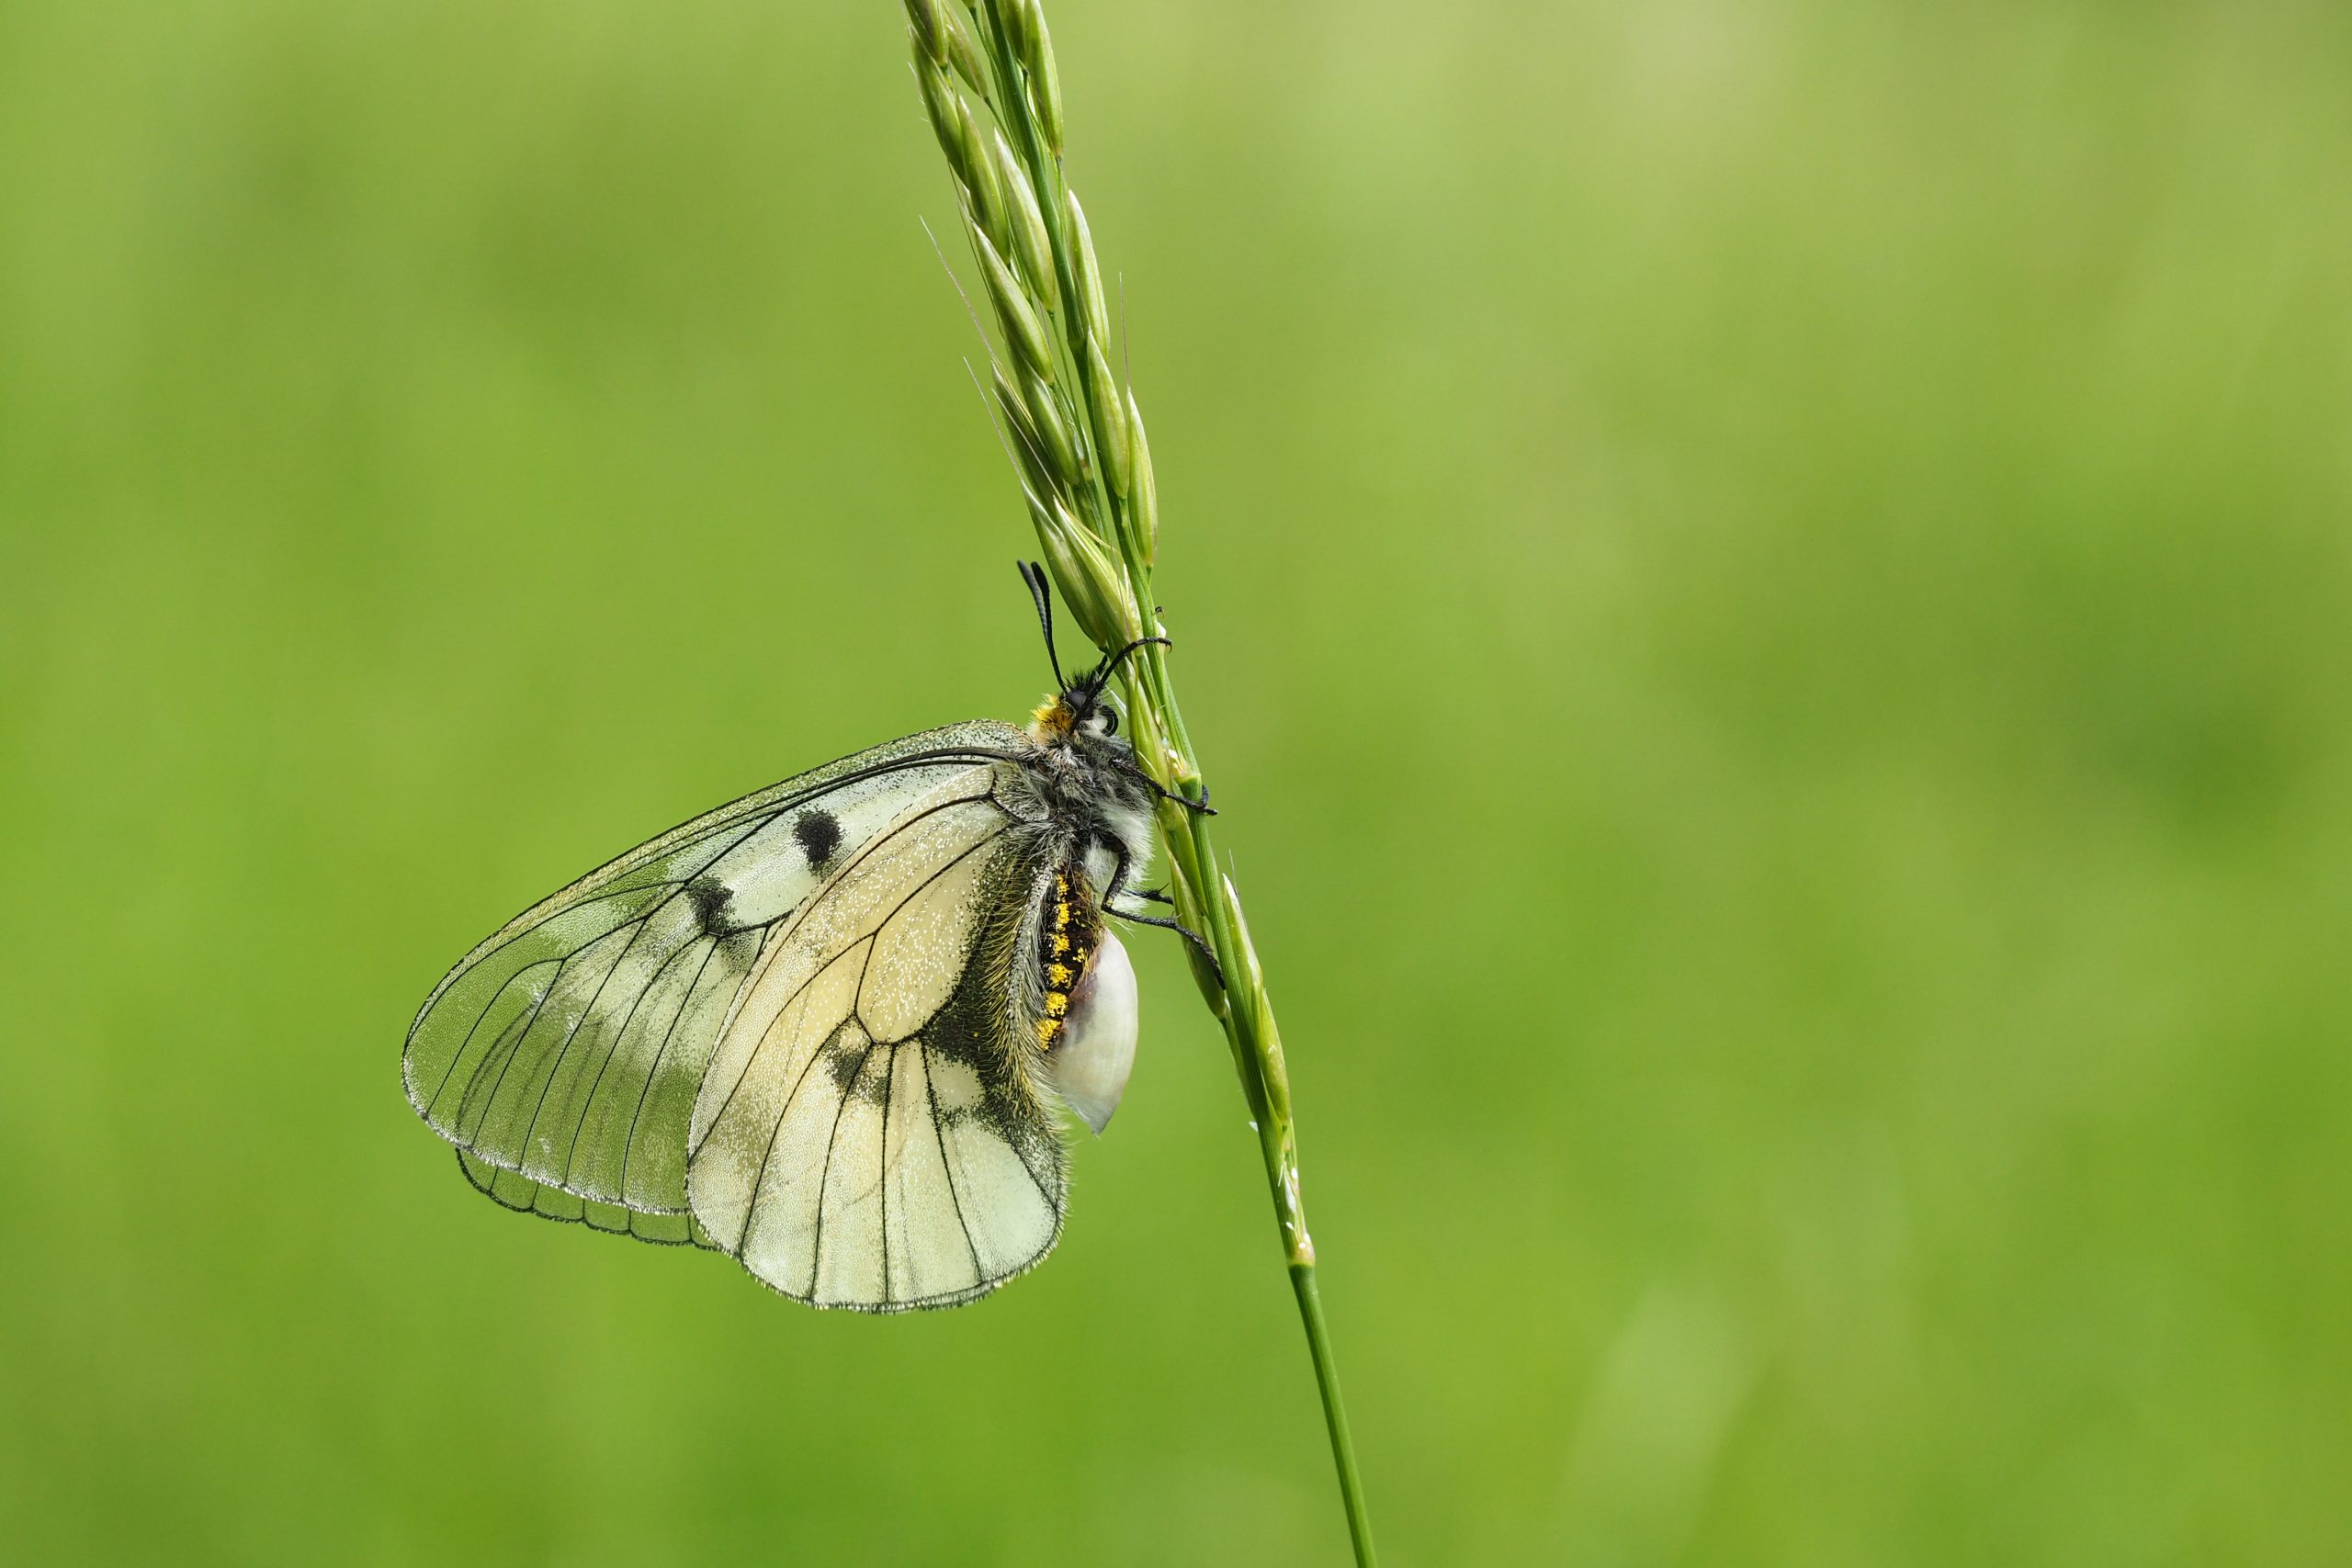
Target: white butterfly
822, 1029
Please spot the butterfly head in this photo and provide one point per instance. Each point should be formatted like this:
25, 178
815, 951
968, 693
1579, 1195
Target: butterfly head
1080, 710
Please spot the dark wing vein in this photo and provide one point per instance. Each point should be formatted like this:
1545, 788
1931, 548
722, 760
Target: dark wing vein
555, 1064
709, 945
784, 1111
720, 1111
506, 1057
882, 1169
535, 993
857, 1001
947, 1167
652, 1072
824, 1169
752, 1208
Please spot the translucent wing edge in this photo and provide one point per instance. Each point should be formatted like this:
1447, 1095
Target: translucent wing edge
977, 739
510, 1190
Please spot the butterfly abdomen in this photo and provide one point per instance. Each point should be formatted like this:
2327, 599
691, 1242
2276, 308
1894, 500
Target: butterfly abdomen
1066, 941
1085, 1023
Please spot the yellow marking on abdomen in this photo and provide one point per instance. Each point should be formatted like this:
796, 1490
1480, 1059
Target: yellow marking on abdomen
1068, 946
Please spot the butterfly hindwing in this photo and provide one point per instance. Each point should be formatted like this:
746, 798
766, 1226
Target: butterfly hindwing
567, 1050
511, 1190
870, 1133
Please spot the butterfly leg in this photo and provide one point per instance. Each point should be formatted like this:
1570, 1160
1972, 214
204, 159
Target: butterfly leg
1199, 807
1119, 889
1181, 929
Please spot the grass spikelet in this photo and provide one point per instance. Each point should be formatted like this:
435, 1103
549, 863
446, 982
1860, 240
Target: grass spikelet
1092, 497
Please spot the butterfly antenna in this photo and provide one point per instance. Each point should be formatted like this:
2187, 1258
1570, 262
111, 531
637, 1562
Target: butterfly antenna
1034, 574
1101, 676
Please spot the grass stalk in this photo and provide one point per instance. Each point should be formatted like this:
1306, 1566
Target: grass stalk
992, 90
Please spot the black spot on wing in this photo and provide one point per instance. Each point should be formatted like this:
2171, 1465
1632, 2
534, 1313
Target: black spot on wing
820, 834
711, 902
844, 1058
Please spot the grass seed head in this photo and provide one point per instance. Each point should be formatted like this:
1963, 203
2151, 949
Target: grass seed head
1024, 333
982, 182
1021, 433
1045, 88
1145, 498
1031, 244
1108, 409
1091, 300
946, 107
1019, 19
1097, 595
1053, 429
961, 48
922, 15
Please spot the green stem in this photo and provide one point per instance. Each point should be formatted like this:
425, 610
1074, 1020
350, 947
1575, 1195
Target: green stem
1335, 1418
1249, 1018
1206, 898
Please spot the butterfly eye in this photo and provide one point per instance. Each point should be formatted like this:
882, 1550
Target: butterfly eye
1110, 721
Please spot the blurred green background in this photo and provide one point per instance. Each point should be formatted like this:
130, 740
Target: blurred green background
1767, 589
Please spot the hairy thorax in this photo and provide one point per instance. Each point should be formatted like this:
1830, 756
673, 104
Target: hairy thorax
1089, 784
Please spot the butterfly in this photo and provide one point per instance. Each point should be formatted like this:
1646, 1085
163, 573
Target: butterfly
825, 1029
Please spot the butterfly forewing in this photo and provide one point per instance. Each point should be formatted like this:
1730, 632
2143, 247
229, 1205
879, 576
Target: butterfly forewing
867, 1134
567, 1049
